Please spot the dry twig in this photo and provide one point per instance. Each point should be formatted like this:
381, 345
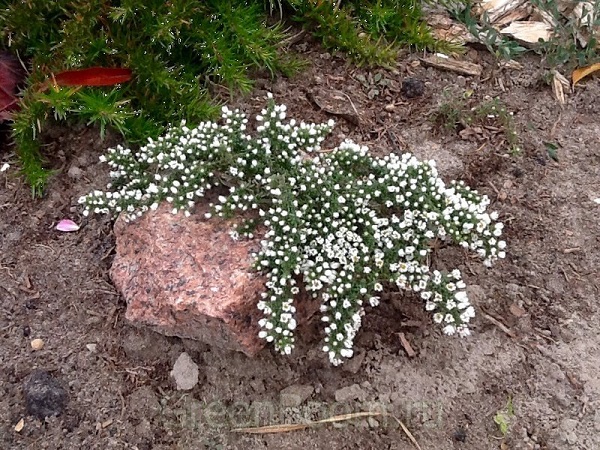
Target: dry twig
284, 428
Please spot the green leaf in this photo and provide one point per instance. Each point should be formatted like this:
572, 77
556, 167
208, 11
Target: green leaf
501, 420
552, 150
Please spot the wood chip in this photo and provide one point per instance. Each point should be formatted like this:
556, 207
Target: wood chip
446, 29
587, 27
19, 426
497, 9
337, 103
539, 15
500, 325
528, 32
521, 13
516, 310
559, 85
407, 347
411, 323
443, 62
511, 64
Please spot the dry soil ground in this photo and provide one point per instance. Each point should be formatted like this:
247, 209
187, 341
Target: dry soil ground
536, 344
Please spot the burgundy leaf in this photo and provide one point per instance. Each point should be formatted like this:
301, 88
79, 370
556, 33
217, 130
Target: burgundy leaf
11, 75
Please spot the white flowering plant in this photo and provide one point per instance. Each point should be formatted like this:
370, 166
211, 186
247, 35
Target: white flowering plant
341, 222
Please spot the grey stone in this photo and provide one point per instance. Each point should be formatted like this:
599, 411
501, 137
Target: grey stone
295, 395
75, 172
384, 398
185, 373
354, 363
348, 393
44, 395
373, 423
568, 425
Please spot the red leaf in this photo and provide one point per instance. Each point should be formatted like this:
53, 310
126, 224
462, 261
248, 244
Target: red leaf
11, 75
94, 76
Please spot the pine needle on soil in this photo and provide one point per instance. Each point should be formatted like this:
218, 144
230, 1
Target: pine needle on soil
284, 428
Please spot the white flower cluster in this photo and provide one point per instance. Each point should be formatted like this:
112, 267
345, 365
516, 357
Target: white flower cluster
341, 225
179, 168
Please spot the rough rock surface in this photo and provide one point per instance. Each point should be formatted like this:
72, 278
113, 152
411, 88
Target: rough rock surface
187, 277
44, 395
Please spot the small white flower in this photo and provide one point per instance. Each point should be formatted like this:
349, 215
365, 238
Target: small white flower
463, 331
449, 330
461, 296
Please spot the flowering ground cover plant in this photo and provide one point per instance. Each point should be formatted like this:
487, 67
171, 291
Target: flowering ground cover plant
342, 222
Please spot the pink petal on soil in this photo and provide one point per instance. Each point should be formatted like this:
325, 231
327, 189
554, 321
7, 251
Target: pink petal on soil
67, 225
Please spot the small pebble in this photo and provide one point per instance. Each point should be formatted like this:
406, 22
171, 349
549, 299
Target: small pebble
349, 393
293, 396
460, 435
19, 426
75, 172
412, 88
185, 372
373, 423
37, 344
92, 347
44, 395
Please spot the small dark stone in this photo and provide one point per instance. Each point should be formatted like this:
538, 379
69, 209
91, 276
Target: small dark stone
412, 88
518, 172
460, 435
26, 331
31, 304
44, 396
541, 160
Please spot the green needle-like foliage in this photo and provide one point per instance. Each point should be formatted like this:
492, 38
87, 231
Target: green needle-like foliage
177, 50
371, 32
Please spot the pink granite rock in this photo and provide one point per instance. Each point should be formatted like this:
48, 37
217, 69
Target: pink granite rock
187, 277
